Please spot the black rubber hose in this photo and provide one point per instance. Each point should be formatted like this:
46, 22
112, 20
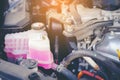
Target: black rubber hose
67, 73
84, 79
81, 53
103, 74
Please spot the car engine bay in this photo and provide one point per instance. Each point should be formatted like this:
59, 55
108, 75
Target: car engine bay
60, 40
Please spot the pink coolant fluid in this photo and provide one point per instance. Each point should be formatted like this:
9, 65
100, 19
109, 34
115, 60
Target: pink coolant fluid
33, 44
15, 56
44, 57
16, 46
39, 46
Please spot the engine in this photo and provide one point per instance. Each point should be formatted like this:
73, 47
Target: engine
67, 40
109, 45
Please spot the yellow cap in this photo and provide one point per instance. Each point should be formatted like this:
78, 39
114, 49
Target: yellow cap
118, 53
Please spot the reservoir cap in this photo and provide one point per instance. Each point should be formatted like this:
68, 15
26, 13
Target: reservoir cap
38, 26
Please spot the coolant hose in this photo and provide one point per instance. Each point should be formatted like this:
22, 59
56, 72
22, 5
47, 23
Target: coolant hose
64, 71
82, 53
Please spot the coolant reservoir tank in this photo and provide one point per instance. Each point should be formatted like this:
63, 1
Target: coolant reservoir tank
39, 46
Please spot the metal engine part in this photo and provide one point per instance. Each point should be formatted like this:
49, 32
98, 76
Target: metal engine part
107, 4
110, 45
10, 71
72, 20
17, 13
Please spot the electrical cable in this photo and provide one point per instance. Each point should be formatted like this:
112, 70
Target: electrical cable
84, 72
82, 53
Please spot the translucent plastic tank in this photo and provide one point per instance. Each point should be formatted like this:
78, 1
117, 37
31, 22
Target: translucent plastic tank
16, 46
39, 46
31, 44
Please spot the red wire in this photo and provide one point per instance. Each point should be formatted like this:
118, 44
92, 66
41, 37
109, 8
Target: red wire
84, 72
